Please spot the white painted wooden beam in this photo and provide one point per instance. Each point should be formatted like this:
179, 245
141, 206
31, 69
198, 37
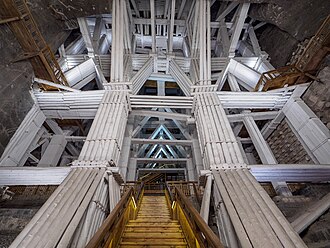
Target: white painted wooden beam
55, 85
162, 141
81, 75
205, 208
97, 33
229, 9
311, 214
22, 139
309, 129
150, 113
153, 25
265, 153
84, 29
244, 73
238, 27
53, 152
11, 176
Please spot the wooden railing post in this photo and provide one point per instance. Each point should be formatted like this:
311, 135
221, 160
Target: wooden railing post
110, 232
183, 211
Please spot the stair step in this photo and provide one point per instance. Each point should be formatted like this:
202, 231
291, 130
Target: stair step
153, 227
166, 217
158, 246
153, 242
153, 224
156, 218
149, 219
154, 201
154, 215
156, 229
160, 201
154, 206
154, 210
159, 235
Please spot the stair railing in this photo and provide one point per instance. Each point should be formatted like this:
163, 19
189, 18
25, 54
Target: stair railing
109, 234
278, 78
195, 229
189, 188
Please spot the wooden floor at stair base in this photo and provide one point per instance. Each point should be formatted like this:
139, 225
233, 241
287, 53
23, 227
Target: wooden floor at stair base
153, 227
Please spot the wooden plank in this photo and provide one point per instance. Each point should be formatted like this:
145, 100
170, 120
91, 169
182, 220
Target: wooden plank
153, 242
155, 229
153, 236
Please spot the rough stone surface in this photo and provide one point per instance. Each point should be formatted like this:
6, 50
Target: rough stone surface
318, 234
288, 23
12, 222
15, 214
299, 18
16, 78
317, 97
278, 44
286, 147
15, 101
290, 205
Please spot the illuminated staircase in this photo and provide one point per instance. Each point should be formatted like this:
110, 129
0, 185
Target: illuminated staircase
153, 226
144, 220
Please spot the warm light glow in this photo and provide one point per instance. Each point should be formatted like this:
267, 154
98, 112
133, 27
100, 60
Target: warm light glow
173, 204
134, 203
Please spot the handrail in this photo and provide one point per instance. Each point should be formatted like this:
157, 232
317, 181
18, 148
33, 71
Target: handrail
136, 185
189, 188
202, 232
167, 186
279, 77
110, 232
139, 191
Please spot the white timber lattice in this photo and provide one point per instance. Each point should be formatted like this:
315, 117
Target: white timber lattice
165, 42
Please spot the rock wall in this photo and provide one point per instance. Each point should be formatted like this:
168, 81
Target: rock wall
12, 222
278, 44
317, 96
318, 234
288, 23
16, 78
15, 214
15, 98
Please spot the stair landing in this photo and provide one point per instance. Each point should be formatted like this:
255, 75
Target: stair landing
153, 226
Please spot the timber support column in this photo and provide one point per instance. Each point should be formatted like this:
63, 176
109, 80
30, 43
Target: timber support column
105, 138
256, 219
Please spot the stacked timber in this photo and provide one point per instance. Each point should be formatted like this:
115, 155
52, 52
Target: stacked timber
256, 219
105, 138
69, 105
63, 211
216, 138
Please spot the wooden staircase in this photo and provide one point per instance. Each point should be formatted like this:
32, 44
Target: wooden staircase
304, 66
16, 14
153, 226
